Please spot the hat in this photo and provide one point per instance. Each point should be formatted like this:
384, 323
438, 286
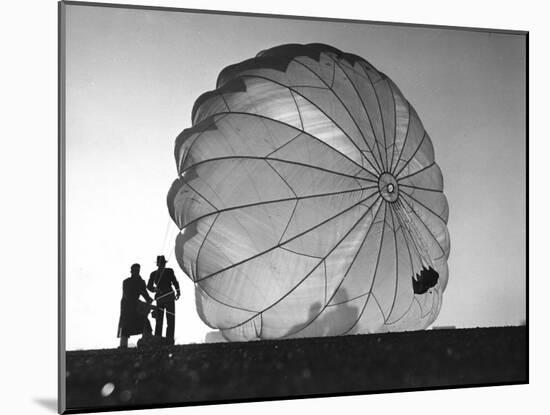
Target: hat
161, 258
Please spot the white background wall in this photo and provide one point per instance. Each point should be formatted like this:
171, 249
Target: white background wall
28, 220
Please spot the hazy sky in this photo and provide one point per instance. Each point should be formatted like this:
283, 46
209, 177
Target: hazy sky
132, 79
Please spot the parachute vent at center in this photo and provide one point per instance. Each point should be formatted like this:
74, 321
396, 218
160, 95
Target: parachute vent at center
309, 201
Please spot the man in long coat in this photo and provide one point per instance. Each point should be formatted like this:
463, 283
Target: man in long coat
161, 282
133, 312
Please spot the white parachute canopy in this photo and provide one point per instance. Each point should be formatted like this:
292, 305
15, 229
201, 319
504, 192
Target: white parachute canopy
309, 201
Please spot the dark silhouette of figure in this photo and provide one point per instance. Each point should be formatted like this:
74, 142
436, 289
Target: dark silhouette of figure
334, 320
425, 280
161, 282
133, 312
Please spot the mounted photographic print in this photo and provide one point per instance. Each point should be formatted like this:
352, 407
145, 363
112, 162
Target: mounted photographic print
258, 207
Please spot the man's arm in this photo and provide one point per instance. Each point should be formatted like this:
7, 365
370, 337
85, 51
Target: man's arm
144, 293
176, 285
151, 283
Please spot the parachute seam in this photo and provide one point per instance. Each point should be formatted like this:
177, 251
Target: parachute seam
413, 241
381, 116
412, 157
424, 255
299, 253
303, 132
225, 102
297, 108
396, 268
428, 309
379, 307
197, 192
428, 229
394, 123
368, 115
333, 71
309, 273
403, 228
422, 315
426, 207
347, 272
335, 64
284, 145
281, 177
257, 192
409, 112
288, 240
349, 300
374, 273
324, 88
326, 281
356, 72
426, 189
222, 303
355, 88
412, 267
279, 201
404, 314
297, 163
319, 109
288, 222
420, 306
202, 244
214, 120
417, 172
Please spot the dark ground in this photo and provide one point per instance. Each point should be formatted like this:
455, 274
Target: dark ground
317, 366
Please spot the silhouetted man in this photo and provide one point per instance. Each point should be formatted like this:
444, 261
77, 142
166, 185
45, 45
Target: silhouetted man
161, 282
133, 313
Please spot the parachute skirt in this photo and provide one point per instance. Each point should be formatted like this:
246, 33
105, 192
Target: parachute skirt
309, 201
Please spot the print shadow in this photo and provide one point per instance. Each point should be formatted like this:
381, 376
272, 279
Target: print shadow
334, 320
48, 403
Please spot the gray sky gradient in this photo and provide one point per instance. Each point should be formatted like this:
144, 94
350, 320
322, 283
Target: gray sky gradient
132, 79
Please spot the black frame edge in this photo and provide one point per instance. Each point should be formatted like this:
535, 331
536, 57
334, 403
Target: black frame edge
290, 17
62, 409
61, 344
527, 203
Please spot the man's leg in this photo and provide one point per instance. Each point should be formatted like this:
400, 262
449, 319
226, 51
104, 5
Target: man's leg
147, 329
159, 319
170, 320
123, 342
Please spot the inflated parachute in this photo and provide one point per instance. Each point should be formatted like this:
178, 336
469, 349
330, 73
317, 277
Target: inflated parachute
309, 201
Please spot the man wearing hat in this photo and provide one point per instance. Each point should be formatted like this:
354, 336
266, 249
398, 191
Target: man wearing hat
161, 282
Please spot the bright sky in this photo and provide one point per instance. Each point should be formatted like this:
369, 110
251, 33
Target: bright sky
132, 79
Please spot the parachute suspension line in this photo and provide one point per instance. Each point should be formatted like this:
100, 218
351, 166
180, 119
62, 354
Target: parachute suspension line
415, 235
156, 307
164, 295
408, 227
412, 244
165, 310
171, 246
406, 231
165, 238
169, 240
